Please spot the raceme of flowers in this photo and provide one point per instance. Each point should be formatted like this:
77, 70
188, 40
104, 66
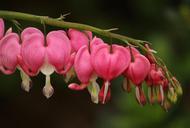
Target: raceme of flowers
79, 53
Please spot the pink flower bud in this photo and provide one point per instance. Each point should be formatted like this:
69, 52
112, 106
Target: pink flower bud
155, 79
155, 76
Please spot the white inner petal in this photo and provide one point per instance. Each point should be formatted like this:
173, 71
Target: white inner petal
47, 69
26, 81
105, 91
94, 90
48, 89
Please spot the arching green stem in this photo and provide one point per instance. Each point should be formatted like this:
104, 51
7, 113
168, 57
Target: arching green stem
10, 15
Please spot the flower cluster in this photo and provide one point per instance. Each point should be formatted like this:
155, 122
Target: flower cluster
75, 52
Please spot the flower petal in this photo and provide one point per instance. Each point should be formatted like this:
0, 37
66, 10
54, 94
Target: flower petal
9, 49
58, 50
32, 54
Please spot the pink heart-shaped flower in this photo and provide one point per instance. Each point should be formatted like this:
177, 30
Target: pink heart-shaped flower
9, 49
138, 70
58, 50
110, 64
32, 54
82, 65
83, 68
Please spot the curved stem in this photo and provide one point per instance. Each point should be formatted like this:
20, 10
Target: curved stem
11, 15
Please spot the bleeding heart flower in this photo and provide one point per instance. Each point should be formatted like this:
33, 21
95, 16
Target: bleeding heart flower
9, 49
32, 53
37, 56
127, 82
136, 72
109, 62
155, 81
79, 38
83, 66
58, 50
85, 71
138, 69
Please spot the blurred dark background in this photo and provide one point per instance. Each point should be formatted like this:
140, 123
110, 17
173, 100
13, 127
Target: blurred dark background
165, 23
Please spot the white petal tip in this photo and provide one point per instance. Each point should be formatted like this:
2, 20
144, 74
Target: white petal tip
48, 91
94, 99
26, 87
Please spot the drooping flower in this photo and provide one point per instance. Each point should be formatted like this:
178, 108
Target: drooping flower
155, 81
84, 70
77, 40
47, 57
137, 71
58, 51
109, 62
9, 50
32, 54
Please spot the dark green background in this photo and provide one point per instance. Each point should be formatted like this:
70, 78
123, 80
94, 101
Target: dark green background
165, 23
